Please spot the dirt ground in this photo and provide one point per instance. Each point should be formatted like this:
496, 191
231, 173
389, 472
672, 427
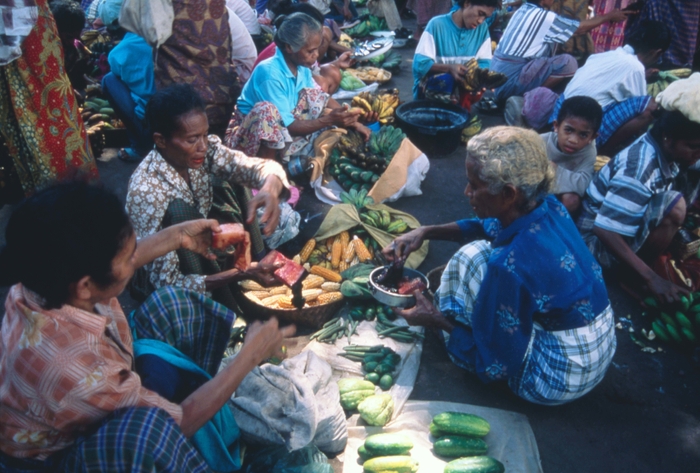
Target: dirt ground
643, 418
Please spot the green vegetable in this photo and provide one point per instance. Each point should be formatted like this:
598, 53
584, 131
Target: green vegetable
353, 290
353, 391
683, 320
372, 378
686, 302
454, 446
673, 333
363, 453
481, 464
434, 431
397, 463
351, 401
386, 382
686, 332
388, 444
384, 368
660, 331
459, 423
350, 82
377, 409
651, 302
668, 320
370, 366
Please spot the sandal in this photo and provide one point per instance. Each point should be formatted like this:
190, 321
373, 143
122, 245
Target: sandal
128, 155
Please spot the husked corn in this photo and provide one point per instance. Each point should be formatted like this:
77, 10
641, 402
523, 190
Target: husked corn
251, 285
306, 251
278, 290
330, 287
253, 298
327, 274
336, 252
272, 300
328, 297
311, 294
312, 281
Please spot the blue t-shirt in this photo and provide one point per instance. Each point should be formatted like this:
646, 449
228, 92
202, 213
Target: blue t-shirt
540, 271
443, 42
273, 82
132, 61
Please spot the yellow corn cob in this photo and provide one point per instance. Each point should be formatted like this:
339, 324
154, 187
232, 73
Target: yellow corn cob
285, 302
328, 297
253, 298
336, 251
260, 294
327, 274
311, 294
361, 250
330, 287
272, 300
306, 251
297, 259
251, 286
343, 265
278, 290
349, 253
312, 281
329, 243
344, 238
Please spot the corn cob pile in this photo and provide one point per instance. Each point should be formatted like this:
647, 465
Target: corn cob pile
384, 103
318, 288
678, 325
334, 255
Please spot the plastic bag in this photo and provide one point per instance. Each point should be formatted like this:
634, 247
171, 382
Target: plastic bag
306, 460
150, 19
402, 178
345, 217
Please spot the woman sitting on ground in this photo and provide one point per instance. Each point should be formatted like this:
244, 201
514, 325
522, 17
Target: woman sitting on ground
524, 301
69, 396
280, 109
449, 41
189, 175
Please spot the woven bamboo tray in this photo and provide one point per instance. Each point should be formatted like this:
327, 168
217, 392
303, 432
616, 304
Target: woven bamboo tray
313, 317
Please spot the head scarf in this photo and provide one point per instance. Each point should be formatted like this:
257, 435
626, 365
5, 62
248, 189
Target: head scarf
684, 96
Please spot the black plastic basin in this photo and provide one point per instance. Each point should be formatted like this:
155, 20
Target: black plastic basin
434, 127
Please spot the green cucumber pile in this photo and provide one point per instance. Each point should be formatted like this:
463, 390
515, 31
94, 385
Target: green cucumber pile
387, 452
379, 363
678, 327
357, 165
460, 435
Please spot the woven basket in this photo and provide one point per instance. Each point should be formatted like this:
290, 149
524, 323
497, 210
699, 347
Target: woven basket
434, 276
684, 245
313, 317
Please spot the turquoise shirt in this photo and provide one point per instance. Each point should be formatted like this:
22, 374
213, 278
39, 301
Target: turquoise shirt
132, 61
443, 42
273, 82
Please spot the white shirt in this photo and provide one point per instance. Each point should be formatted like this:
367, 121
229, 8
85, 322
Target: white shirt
243, 50
610, 77
246, 13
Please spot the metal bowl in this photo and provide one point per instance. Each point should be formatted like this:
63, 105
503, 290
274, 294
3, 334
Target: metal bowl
389, 298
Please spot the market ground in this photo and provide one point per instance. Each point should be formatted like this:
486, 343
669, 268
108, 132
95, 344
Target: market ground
643, 418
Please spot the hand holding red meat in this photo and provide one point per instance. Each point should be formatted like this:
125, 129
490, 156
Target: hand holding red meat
196, 235
263, 274
288, 273
233, 234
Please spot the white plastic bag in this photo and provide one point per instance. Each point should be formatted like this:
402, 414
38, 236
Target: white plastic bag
150, 19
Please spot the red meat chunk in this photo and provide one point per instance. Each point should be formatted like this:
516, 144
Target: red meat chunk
409, 286
231, 233
290, 273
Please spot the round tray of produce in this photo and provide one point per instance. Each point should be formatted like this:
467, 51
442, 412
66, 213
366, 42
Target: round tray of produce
320, 305
369, 74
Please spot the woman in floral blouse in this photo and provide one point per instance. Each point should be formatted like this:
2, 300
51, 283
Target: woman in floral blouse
525, 301
189, 175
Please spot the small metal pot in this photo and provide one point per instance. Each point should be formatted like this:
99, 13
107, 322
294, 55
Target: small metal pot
389, 298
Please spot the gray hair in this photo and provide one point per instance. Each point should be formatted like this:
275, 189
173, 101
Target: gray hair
295, 31
515, 156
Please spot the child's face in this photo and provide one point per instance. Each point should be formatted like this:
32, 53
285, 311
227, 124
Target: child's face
573, 134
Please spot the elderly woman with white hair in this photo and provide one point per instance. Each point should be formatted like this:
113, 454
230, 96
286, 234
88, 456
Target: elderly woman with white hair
525, 300
280, 110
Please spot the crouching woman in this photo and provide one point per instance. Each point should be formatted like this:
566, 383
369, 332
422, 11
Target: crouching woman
524, 301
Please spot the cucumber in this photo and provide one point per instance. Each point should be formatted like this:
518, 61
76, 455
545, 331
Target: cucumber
388, 444
434, 431
459, 423
397, 463
481, 464
363, 453
455, 446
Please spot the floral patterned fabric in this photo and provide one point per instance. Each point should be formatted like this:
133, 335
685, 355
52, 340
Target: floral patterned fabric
199, 53
264, 124
61, 370
39, 116
539, 272
155, 184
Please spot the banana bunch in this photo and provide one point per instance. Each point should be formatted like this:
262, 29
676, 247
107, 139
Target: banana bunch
382, 220
664, 80
384, 104
679, 328
386, 142
476, 78
359, 199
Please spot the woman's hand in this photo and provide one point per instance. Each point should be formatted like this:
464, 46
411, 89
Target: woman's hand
458, 71
424, 314
344, 61
268, 197
262, 274
665, 291
265, 339
363, 130
195, 235
404, 245
616, 16
342, 118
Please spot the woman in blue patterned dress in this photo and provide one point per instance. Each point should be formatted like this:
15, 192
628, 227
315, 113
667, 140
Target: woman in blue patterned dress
525, 300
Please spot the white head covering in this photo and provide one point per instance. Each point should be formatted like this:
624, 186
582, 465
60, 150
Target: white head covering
684, 96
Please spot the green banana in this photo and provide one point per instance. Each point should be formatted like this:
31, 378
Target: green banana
397, 227
673, 333
683, 320
688, 334
660, 332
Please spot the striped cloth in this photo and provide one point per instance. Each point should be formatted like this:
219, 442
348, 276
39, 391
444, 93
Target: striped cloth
558, 366
628, 196
131, 440
614, 115
534, 32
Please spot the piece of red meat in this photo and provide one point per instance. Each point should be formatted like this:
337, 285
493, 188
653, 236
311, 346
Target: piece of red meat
231, 233
290, 273
410, 286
